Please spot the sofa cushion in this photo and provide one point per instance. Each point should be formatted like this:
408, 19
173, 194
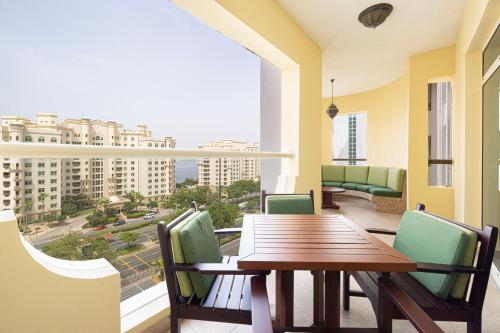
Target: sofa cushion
200, 246
356, 174
378, 176
289, 204
424, 238
350, 186
460, 285
384, 192
366, 188
182, 277
334, 184
395, 178
333, 173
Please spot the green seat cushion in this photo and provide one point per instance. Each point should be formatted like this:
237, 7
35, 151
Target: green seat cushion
424, 238
350, 186
384, 192
289, 204
333, 173
334, 184
200, 246
460, 285
356, 174
366, 188
182, 277
395, 178
378, 176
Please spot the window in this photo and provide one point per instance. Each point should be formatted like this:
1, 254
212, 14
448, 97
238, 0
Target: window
27, 138
439, 134
53, 140
349, 139
41, 139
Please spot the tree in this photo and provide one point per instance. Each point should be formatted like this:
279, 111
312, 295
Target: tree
242, 187
183, 198
128, 207
96, 218
101, 204
187, 183
27, 205
129, 237
69, 207
41, 198
229, 214
135, 198
152, 205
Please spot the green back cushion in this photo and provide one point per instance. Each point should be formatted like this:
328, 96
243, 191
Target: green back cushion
182, 277
333, 184
395, 178
378, 176
460, 285
424, 238
199, 246
333, 173
289, 204
356, 174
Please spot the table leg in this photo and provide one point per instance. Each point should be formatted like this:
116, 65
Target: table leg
319, 298
328, 201
284, 298
332, 299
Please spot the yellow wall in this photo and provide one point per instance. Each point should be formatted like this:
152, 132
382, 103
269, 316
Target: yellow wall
480, 19
387, 128
425, 68
263, 27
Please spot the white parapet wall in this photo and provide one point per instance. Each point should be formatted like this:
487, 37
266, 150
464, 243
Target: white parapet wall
39, 293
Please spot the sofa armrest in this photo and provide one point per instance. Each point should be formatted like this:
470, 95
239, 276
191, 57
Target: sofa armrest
261, 312
216, 268
445, 269
227, 231
380, 231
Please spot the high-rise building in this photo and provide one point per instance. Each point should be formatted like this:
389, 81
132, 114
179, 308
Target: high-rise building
23, 180
232, 168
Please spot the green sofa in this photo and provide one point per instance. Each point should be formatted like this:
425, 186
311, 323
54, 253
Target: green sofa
383, 186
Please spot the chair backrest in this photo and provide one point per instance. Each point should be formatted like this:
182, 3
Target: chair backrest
163, 229
264, 195
487, 240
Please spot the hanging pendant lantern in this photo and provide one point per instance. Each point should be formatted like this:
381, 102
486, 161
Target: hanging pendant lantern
332, 110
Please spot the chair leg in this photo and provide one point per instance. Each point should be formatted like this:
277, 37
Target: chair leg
347, 287
384, 313
174, 323
475, 325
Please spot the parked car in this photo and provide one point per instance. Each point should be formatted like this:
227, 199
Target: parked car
119, 222
149, 216
99, 227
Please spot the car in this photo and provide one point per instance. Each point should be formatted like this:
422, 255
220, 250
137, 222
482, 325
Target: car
99, 227
119, 222
149, 216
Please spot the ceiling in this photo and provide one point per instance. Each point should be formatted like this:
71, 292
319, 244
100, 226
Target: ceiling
362, 59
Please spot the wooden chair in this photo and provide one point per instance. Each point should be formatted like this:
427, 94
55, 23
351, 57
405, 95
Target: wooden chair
468, 309
233, 296
264, 195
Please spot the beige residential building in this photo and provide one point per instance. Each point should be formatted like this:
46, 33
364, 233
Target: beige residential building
232, 169
23, 180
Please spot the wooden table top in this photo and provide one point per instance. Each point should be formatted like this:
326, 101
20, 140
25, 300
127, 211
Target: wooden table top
333, 189
315, 242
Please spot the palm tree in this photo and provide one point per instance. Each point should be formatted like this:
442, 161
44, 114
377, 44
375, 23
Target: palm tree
28, 204
101, 203
41, 198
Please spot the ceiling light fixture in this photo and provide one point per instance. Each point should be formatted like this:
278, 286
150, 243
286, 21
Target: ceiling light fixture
375, 15
332, 109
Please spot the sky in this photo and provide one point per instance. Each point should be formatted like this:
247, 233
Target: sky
132, 61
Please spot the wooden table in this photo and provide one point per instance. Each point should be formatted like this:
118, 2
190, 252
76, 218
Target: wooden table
329, 243
327, 193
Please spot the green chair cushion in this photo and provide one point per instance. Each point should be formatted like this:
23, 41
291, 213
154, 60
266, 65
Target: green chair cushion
378, 176
334, 184
424, 238
395, 178
289, 204
182, 277
356, 174
200, 246
350, 186
366, 188
333, 173
460, 285
384, 192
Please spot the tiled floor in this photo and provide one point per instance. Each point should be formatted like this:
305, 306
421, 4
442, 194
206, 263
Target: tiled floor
361, 313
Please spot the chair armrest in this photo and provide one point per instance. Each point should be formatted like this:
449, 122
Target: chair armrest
227, 231
261, 312
445, 269
215, 269
380, 231
407, 306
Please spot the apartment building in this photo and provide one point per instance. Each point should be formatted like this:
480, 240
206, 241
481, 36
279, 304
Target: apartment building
232, 169
23, 180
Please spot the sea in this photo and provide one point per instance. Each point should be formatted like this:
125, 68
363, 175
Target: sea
186, 169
